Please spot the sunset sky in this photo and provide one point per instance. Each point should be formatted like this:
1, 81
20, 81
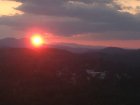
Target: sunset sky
88, 22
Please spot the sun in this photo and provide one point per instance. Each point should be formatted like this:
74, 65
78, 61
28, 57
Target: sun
37, 40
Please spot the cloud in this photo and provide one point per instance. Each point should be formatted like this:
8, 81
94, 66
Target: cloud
95, 19
7, 8
130, 6
7, 31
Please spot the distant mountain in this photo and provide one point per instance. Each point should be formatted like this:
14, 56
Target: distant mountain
24, 43
114, 50
117, 50
75, 48
13, 43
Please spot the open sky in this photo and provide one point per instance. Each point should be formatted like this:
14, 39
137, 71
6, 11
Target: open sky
88, 22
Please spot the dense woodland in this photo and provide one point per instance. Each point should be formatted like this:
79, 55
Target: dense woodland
50, 76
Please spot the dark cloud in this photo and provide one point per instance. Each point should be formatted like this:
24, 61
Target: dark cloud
71, 17
63, 7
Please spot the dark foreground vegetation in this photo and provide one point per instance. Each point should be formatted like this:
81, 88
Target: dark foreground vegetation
56, 77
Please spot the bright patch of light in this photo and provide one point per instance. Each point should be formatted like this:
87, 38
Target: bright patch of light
8, 8
130, 6
37, 40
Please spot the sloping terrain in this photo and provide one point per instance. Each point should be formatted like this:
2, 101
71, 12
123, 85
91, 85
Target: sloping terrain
53, 76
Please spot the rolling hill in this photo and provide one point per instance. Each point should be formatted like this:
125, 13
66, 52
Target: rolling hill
55, 76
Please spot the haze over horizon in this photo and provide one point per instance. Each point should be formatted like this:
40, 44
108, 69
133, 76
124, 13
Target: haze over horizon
87, 22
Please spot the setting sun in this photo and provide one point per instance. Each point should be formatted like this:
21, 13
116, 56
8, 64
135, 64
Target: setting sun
37, 40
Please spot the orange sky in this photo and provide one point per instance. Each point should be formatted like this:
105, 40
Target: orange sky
109, 43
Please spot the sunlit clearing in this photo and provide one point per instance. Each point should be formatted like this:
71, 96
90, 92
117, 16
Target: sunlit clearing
37, 40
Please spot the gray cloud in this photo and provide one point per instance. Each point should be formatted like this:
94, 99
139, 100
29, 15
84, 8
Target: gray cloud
63, 17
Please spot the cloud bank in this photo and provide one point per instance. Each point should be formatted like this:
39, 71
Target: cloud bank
87, 19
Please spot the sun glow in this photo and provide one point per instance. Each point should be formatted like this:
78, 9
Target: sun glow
37, 40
